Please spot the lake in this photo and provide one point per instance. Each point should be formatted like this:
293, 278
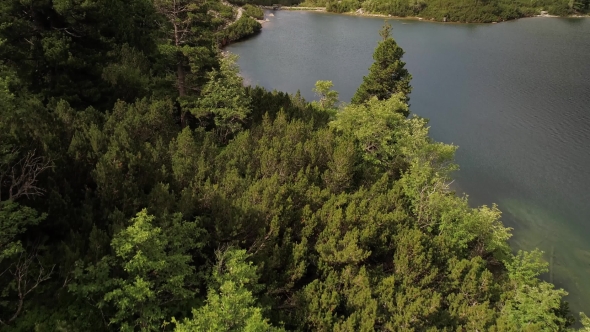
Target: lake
514, 96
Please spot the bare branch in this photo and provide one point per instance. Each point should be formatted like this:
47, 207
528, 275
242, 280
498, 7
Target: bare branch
67, 31
25, 283
21, 179
260, 244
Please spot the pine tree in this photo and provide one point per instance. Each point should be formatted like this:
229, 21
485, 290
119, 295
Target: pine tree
387, 75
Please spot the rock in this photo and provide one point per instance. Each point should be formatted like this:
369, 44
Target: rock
271, 14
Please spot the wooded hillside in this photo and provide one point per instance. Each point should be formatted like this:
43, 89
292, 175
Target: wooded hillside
144, 188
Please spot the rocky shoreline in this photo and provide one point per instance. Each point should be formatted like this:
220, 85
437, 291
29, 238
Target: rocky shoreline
362, 12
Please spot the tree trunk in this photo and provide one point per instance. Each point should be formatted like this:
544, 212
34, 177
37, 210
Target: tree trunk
180, 77
180, 82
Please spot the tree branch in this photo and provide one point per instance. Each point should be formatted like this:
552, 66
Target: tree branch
24, 286
22, 177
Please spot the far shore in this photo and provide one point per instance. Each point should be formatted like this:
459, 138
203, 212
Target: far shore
413, 18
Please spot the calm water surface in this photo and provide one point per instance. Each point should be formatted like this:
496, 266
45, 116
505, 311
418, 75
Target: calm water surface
515, 98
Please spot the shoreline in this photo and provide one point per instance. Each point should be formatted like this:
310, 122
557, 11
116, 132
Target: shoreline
410, 18
362, 13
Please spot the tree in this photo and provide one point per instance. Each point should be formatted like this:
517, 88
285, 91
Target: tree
151, 273
181, 16
387, 75
533, 304
60, 48
230, 304
328, 97
187, 42
373, 125
21, 270
335, 219
223, 100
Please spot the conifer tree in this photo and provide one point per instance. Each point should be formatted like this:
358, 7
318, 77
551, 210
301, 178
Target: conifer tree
387, 75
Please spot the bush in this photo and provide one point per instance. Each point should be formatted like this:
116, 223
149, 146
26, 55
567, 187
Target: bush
242, 28
342, 6
253, 11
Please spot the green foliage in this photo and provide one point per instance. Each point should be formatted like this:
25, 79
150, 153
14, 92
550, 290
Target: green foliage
245, 27
328, 97
336, 217
17, 261
60, 48
253, 11
585, 322
374, 126
457, 10
223, 99
343, 6
151, 270
533, 304
230, 305
14, 220
265, 2
387, 75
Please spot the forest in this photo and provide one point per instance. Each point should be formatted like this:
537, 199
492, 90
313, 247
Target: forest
465, 11
143, 187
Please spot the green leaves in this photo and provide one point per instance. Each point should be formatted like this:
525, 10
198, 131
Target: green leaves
224, 100
230, 304
373, 126
387, 75
242, 28
14, 220
253, 11
328, 97
348, 225
533, 303
151, 271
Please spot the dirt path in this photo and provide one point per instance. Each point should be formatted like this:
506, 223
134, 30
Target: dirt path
240, 11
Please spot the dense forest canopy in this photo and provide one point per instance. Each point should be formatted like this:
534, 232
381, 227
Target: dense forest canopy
144, 188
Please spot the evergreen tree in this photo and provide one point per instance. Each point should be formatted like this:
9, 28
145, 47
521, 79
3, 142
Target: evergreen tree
387, 75
60, 48
223, 100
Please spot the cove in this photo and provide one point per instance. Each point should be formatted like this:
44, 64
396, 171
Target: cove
514, 96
